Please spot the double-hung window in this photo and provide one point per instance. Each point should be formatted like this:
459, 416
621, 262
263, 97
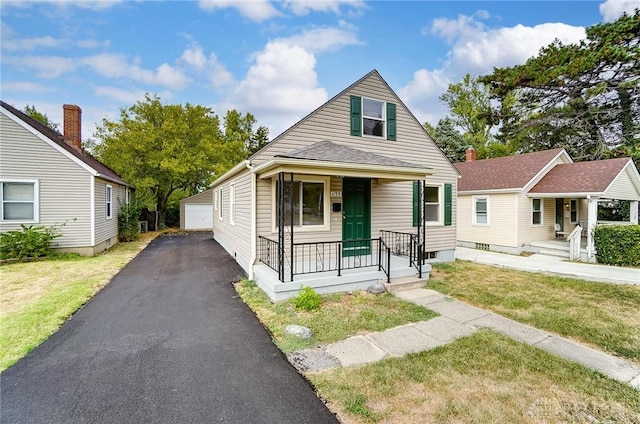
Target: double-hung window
432, 204
480, 210
232, 204
19, 201
306, 202
573, 211
108, 201
437, 204
371, 117
536, 211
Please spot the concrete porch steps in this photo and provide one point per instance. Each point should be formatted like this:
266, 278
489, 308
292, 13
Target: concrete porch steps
405, 283
559, 249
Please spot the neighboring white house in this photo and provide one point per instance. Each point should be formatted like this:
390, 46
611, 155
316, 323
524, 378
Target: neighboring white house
517, 203
47, 179
335, 203
196, 212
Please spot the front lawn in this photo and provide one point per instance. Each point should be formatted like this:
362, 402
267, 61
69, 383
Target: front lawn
36, 298
339, 317
605, 316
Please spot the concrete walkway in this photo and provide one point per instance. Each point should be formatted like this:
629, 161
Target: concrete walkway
457, 319
552, 265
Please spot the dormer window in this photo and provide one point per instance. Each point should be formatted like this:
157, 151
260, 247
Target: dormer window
371, 117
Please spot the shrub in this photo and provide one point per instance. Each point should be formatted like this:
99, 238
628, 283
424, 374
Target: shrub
28, 242
618, 244
307, 300
128, 219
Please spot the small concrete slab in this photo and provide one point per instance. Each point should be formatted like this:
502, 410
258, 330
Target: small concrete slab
404, 284
402, 340
422, 297
609, 365
635, 383
357, 350
445, 329
312, 360
457, 311
511, 328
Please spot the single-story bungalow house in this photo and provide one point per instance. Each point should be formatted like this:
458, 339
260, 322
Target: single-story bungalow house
47, 179
196, 212
533, 202
354, 193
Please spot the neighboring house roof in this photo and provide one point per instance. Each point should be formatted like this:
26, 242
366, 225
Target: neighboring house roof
509, 172
331, 152
581, 177
102, 170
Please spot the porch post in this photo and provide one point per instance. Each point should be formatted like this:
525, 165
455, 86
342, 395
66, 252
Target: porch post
592, 219
633, 213
281, 226
291, 195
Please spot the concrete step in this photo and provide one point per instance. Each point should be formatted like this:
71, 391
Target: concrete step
405, 283
561, 253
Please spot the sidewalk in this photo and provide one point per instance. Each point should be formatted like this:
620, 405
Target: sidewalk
552, 265
457, 319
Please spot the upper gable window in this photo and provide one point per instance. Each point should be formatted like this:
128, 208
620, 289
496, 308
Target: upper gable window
372, 117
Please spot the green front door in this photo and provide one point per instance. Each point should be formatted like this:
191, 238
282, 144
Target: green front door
356, 215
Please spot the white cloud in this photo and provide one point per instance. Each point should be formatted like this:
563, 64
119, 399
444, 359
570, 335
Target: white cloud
117, 66
477, 49
93, 44
304, 7
29, 44
280, 88
24, 87
216, 73
323, 39
122, 96
255, 10
46, 66
611, 10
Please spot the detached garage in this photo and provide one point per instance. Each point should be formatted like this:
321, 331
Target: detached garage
196, 212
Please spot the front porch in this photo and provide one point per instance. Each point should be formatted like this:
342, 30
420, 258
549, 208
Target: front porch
557, 247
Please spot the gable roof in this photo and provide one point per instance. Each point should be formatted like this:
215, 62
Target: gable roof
55, 137
331, 152
582, 177
509, 172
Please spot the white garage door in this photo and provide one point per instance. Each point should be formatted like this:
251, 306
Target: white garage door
198, 217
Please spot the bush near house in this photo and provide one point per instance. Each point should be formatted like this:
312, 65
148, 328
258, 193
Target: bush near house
618, 244
28, 242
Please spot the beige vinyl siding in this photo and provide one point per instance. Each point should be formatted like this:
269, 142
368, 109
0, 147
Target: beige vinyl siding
623, 188
107, 228
527, 232
413, 145
64, 186
236, 239
502, 228
204, 198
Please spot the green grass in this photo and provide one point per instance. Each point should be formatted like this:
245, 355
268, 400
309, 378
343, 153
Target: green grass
339, 315
483, 378
602, 315
36, 298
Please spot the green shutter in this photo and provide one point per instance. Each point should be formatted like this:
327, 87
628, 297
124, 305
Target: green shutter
416, 202
391, 121
356, 116
448, 206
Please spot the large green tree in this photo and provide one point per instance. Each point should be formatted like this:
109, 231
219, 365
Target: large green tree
584, 97
32, 112
449, 139
166, 147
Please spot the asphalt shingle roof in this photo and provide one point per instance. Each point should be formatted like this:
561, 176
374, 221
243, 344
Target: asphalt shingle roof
581, 177
509, 172
328, 151
58, 138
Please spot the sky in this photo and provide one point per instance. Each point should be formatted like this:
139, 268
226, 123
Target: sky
278, 60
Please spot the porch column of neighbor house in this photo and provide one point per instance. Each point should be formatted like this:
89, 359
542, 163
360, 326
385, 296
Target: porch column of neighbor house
592, 219
633, 213
280, 226
291, 254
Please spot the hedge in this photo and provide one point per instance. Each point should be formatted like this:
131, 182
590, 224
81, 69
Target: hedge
618, 244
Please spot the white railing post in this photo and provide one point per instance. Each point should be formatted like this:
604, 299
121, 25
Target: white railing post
574, 243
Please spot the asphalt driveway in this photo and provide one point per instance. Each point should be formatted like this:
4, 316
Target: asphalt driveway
167, 341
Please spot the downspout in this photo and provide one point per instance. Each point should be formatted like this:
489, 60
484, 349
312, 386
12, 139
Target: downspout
252, 261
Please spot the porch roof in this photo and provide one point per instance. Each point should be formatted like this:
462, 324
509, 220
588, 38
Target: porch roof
328, 158
587, 178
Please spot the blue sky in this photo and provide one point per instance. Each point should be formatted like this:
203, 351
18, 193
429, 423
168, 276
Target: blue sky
278, 60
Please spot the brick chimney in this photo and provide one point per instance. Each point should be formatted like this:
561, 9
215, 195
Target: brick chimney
73, 126
470, 154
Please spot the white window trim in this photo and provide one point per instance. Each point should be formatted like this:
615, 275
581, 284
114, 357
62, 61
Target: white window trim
127, 196
541, 212
384, 118
577, 203
220, 204
327, 200
36, 202
232, 204
440, 220
474, 215
108, 201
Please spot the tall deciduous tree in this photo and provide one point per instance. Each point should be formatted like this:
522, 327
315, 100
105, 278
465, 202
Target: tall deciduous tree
39, 116
163, 148
584, 97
